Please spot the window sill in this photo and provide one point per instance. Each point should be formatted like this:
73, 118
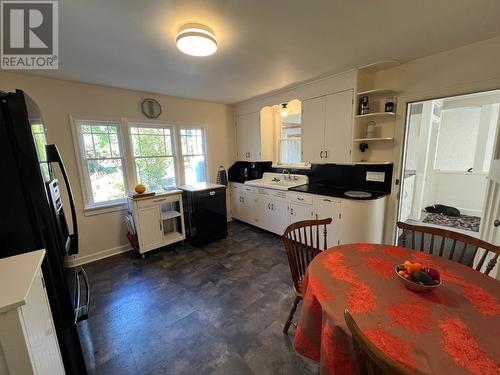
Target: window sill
104, 209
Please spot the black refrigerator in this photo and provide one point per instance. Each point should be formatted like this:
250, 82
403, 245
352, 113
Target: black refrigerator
32, 217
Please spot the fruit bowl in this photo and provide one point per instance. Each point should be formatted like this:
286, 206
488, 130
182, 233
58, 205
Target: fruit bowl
415, 286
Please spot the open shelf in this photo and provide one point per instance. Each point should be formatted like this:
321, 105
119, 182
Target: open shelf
377, 114
166, 215
172, 237
377, 92
374, 139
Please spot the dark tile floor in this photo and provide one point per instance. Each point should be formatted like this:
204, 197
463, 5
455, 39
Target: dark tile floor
218, 309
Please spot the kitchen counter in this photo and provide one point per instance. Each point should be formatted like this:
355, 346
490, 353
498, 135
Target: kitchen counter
335, 191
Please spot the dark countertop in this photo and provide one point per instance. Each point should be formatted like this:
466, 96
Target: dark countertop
335, 191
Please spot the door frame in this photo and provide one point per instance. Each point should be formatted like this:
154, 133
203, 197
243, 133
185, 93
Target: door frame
401, 132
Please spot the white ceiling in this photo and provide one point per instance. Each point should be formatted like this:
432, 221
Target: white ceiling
263, 44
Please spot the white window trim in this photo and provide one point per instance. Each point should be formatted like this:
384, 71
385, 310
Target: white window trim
152, 124
90, 207
205, 147
129, 172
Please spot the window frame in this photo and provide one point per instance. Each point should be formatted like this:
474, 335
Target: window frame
182, 168
128, 160
84, 176
279, 140
151, 124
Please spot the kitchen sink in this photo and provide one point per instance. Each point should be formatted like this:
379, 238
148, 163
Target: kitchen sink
279, 181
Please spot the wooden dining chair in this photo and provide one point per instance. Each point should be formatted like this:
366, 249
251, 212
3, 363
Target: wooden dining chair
448, 244
371, 360
303, 240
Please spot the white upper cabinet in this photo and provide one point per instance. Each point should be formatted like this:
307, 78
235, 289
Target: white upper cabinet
327, 128
313, 129
254, 136
338, 127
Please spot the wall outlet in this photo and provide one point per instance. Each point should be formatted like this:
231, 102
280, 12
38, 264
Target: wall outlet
375, 176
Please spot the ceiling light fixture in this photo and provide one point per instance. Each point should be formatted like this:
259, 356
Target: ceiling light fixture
196, 40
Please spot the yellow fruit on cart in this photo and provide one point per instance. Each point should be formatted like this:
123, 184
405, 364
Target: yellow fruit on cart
140, 188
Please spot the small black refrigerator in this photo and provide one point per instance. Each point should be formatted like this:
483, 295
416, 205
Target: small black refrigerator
32, 217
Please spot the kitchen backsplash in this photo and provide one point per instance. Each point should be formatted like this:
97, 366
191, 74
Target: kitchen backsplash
340, 175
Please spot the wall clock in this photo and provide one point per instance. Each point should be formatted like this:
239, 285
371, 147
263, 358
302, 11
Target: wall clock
151, 108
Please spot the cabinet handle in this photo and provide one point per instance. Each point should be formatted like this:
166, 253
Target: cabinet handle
326, 154
272, 205
300, 199
269, 206
291, 211
321, 154
158, 200
327, 200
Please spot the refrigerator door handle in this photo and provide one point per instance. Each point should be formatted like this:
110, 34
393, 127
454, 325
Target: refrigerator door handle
81, 311
54, 156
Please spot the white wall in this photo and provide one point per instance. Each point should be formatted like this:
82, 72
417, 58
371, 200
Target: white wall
464, 191
104, 234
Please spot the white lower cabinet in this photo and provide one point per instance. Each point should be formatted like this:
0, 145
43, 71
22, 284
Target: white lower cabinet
158, 220
273, 210
329, 207
299, 212
243, 204
151, 234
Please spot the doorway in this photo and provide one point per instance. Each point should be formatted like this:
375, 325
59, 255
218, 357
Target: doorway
449, 147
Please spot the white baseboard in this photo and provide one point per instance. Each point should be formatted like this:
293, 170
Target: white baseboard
75, 260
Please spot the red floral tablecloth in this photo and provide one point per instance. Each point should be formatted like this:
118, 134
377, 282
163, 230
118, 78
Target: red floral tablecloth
453, 330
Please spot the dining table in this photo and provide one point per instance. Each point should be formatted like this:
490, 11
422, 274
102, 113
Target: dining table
452, 330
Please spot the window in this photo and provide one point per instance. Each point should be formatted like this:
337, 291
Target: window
193, 154
157, 155
290, 139
102, 161
153, 154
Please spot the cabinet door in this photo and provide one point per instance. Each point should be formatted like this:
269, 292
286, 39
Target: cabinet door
279, 210
241, 138
236, 204
323, 209
338, 127
300, 212
248, 207
253, 136
248, 136
150, 228
313, 130
263, 212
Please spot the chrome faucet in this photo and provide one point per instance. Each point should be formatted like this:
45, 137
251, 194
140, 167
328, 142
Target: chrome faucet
284, 174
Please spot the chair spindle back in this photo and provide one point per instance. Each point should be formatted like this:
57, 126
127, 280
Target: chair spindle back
304, 240
449, 244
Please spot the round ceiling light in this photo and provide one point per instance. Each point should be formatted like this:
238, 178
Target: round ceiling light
196, 40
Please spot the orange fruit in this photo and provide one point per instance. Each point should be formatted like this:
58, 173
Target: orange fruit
417, 267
